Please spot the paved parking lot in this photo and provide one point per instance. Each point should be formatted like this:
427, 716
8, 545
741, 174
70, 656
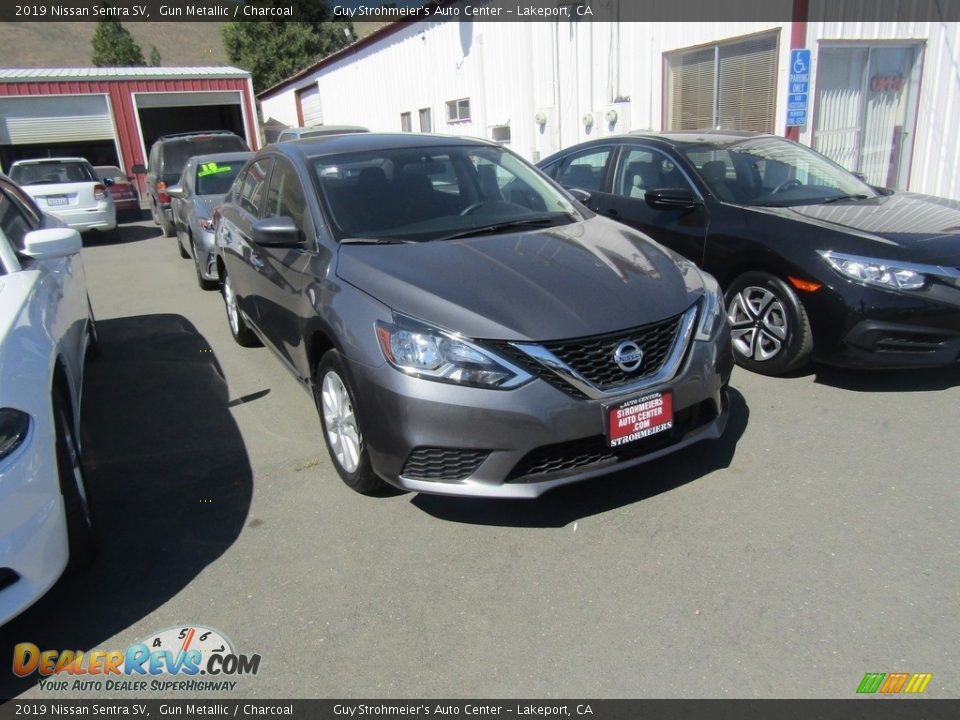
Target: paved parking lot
817, 541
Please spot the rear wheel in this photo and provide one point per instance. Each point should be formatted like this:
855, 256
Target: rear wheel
81, 531
238, 326
337, 407
167, 227
768, 324
183, 253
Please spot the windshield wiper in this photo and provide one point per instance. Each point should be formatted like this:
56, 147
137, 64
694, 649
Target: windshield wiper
843, 197
374, 241
500, 226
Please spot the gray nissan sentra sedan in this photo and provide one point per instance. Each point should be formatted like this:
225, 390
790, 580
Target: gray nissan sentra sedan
465, 326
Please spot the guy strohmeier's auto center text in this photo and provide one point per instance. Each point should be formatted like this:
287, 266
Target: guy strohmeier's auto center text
521, 710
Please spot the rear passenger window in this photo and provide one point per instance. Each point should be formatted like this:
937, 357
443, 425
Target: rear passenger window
14, 223
584, 170
254, 186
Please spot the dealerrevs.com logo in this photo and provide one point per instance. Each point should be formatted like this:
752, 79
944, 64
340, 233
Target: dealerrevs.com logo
184, 653
894, 683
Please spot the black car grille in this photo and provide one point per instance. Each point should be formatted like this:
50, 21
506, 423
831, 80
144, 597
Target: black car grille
551, 461
592, 357
442, 464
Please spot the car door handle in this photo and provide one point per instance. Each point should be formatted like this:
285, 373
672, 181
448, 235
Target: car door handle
256, 262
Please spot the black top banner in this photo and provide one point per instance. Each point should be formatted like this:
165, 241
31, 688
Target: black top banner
481, 10
879, 709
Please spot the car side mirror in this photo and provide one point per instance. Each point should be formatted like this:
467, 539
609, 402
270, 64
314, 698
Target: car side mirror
672, 198
108, 182
175, 191
139, 169
276, 232
51, 243
581, 196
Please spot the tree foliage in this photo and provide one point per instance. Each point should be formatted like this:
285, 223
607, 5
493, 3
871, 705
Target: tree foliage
114, 46
272, 51
155, 59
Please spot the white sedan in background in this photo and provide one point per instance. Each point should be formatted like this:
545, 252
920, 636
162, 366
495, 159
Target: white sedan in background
69, 189
46, 328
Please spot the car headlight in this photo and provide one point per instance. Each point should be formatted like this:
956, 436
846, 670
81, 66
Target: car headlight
711, 308
872, 271
433, 354
14, 425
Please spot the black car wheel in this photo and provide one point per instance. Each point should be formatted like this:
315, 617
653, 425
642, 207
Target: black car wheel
341, 426
81, 531
201, 280
768, 325
238, 326
153, 212
183, 253
167, 227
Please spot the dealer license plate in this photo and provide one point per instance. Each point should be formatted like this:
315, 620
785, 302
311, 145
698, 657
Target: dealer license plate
57, 200
639, 418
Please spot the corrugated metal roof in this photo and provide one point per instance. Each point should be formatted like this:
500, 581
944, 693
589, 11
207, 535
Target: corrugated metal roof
118, 73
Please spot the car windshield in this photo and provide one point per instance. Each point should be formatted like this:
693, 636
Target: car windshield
51, 172
773, 172
111, 173
215, 178
418, 194
180, 150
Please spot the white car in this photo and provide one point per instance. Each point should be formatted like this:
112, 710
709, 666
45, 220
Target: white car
69, 189
46, 328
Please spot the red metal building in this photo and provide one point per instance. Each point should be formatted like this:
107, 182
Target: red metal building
111, 116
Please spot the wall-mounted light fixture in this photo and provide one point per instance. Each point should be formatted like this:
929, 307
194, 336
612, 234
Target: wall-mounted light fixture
612, 116
540, 119
588, 120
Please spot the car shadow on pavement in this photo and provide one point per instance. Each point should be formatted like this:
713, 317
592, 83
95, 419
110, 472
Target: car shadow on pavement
899, 381
169, 480
122, 235
564, 505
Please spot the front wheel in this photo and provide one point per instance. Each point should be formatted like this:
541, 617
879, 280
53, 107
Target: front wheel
337, 407
201, 280
238, 326
768, 325
81, 531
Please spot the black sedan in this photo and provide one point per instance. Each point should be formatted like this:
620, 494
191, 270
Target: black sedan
814, 262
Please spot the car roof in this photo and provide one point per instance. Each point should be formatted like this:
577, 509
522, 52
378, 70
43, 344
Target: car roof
367, 141
328, 129
218, 157
43, 161
697, 137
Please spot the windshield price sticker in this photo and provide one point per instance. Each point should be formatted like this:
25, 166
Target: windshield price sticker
639, 418
211, 168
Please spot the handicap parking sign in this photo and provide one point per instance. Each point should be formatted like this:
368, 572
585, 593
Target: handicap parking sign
799, 95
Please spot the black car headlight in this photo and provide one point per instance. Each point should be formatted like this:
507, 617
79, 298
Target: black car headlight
14, 426
711, 309
434, 354
888, 274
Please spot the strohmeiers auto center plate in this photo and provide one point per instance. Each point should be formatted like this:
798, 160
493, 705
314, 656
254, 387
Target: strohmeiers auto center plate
639, 418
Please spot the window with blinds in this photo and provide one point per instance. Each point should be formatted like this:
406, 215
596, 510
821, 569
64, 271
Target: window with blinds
731, 85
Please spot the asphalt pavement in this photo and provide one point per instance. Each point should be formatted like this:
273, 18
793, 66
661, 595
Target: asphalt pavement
817, 541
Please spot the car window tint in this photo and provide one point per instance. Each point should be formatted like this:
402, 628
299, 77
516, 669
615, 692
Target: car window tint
285, 198
215, 178
642, 169
14, 223
720, 173
48, 173
27, 205
584, 170
254, 186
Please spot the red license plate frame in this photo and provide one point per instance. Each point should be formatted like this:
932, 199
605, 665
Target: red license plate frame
638, 418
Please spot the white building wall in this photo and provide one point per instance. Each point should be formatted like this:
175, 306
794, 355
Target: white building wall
513, 72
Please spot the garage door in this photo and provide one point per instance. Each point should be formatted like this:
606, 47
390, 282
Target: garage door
310, 105
54, 119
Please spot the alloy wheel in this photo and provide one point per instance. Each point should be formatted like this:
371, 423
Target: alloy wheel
758, 323
340, 422
230, 300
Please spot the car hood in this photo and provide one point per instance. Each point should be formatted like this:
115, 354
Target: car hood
575, 280
913, 227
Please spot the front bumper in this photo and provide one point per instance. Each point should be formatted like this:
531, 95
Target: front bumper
858, 326
33, 531
445, 439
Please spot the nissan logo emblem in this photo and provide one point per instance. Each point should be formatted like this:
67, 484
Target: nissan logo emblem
628, 356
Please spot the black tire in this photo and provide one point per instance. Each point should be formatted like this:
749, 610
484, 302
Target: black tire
167, 227
93, 342
201, 280
153, 212
241, 332
81, 528
354, 469
770, 328
183, 253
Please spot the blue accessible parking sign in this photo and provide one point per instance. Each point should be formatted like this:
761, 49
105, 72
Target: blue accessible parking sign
799, 88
